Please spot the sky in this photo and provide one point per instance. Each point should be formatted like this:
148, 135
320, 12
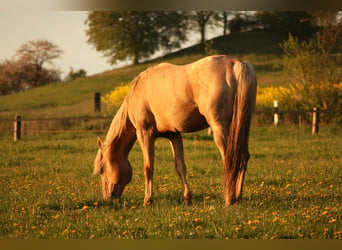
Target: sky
63, 28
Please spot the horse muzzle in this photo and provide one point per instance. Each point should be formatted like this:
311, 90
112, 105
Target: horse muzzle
117, 191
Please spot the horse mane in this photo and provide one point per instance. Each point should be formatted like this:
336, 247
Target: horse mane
117, 126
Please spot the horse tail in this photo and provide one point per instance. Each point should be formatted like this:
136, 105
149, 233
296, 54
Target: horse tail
237, 154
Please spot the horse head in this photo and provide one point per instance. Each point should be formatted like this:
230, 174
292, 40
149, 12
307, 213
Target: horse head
115, 171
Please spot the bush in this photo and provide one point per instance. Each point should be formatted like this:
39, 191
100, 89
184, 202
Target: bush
72, 75
114, 99
296, 97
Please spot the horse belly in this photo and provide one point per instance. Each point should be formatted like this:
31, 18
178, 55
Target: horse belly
181, 120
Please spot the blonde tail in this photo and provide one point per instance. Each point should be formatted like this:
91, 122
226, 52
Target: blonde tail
237, 154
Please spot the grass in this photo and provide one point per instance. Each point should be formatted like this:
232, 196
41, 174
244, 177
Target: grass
292, 190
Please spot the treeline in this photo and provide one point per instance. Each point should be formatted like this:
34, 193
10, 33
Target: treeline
136, 35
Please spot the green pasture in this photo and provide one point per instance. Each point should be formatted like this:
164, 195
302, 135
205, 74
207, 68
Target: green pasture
292, 189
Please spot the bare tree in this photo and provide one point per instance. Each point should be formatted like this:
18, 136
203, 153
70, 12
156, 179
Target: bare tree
32, 56
201, 19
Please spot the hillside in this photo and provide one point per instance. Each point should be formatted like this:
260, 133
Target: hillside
75, 98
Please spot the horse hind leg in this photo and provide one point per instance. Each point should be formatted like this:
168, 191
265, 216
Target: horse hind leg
178, 154
220, 138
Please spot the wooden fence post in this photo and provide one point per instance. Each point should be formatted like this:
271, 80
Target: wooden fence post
275, 112
17, 128
315, 120
97, 102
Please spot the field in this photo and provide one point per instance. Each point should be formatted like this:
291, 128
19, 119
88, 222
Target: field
292, 190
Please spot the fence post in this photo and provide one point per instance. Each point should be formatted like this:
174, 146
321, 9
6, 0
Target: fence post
275, 112
315, 120
97, 102
17, 128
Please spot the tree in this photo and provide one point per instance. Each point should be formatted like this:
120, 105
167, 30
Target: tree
298, 23
27, 68
310, 64
225, 22
72, 75
134, 35
200, 20
329, 36
10, 77
32, 56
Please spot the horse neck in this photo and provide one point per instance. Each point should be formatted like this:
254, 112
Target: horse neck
126, 140
121, 136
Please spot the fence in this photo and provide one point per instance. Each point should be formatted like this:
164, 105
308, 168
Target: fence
101, 123
19, 125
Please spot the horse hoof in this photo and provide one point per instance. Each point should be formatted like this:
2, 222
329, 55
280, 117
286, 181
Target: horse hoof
148, 202
188, 202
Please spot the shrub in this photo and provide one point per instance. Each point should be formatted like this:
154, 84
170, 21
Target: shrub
114, 99
296, 97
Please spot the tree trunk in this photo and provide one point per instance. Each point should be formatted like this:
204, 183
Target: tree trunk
202, 32
225, 22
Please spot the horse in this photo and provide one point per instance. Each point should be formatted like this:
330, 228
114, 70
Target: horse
166, 100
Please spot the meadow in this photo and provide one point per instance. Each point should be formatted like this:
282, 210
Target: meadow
292, 189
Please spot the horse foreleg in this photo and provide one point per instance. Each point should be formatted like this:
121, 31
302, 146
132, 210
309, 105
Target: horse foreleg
178, 155
147, 146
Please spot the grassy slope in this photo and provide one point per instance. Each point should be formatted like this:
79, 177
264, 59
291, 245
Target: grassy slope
75, 98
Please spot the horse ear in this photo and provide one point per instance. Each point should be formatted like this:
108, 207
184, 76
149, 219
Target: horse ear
99, 143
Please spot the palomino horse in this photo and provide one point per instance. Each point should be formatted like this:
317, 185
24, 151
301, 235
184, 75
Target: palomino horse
165, 100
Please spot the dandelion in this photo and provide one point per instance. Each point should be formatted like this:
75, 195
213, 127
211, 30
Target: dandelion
275, 219
332, 220
324, 213
197, 220
55, 216
85, 207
